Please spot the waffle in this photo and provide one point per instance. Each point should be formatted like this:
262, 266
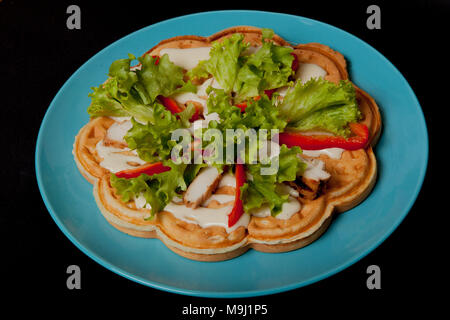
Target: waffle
352, 177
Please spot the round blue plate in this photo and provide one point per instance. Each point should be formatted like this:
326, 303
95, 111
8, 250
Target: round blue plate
402, 166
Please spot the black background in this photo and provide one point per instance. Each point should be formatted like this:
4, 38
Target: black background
38, 54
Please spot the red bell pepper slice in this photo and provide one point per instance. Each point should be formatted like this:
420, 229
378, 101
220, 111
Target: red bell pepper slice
150, 169
238, 207
269, 93
242, 106
196, 114
173, 107
170, 104
317, 142
295, 63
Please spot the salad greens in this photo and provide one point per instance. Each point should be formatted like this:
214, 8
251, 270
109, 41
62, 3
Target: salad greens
247, 75
133, 92
321, 104
224, 63
158, 189
265, 189
242, 75
153, 141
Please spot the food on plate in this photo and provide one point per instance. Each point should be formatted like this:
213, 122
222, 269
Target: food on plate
219, 144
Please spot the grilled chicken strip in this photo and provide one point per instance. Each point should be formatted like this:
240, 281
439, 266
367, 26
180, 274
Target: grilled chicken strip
308, 188
201, 188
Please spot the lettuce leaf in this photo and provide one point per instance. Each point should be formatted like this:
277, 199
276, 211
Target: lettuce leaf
102, 104
120, 71
224, 62
259, 114
263, 114
256, 194
290, 165
247, 75
333, 119
158, 189
321, 104
267, 68
153, 141
133, 92
164, 78
264, 189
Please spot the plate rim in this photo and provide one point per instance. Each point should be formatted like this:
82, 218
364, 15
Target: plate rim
228, 294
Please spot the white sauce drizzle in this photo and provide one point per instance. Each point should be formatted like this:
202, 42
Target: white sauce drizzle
220, 198
228, 180
288, 190
315, 170
283, 90
140, 202
288, 209
307, 71
201, 89
118, 130
177, 199
333, 153
113, 158
186, 58
206, 217
120, 119
199, 97
184, 97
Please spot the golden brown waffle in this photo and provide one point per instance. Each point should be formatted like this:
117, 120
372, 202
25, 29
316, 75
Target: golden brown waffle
352, 177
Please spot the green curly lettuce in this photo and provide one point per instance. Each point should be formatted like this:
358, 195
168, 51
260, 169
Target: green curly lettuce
264, 189
153, 141
247, 75
321, 104
158, 189
134, 92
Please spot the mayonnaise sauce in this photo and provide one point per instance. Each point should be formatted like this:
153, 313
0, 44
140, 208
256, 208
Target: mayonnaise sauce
201, 89
288, 190
186, 58
114, 160
220, 198
333, 153
307, 71
184, 97
283, 90
228, 180
140, 202
304, 73
120, 119
206, 217
118, 130
288, 209
315, 170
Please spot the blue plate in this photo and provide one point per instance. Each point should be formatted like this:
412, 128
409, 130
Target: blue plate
402, 166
